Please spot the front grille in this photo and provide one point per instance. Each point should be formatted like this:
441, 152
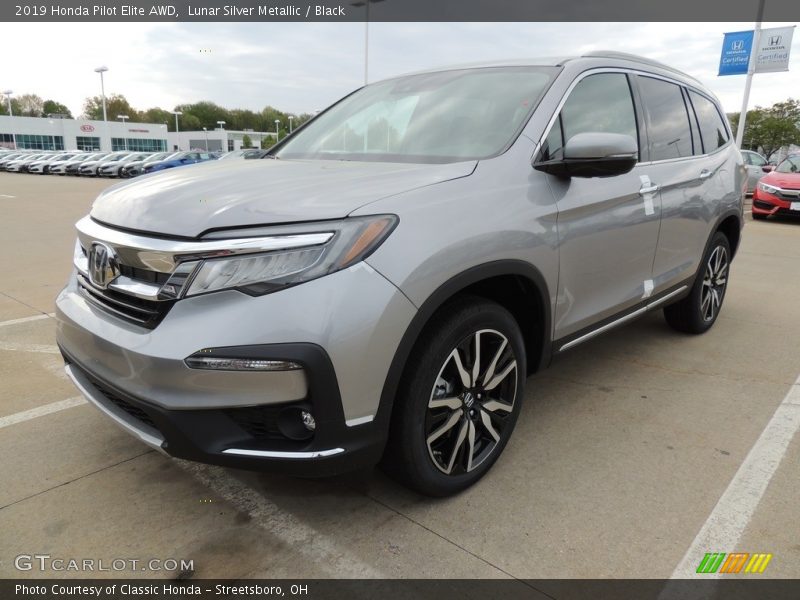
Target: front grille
147, 313
261, 422
134, 411
144, 274
789, 195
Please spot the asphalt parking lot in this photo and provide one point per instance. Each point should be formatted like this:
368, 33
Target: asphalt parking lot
634, 455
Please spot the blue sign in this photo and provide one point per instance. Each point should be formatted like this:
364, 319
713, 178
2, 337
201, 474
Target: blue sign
736, 49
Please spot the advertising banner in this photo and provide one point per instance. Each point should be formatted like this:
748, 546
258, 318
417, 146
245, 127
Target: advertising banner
736, 49
773, 50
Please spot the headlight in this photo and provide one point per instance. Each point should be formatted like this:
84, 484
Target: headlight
769, 189
350, 241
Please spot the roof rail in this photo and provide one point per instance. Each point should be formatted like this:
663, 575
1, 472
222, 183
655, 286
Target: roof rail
639, 59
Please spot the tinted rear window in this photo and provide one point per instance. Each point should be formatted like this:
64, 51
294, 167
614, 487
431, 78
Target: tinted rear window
668, 129
712, 127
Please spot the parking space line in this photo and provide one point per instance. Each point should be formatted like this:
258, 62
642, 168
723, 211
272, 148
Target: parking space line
27, 319
21, 347
40, 411
725, 525
301, 537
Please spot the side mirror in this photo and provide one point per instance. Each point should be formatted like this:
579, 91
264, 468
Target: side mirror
594, 155
768, 168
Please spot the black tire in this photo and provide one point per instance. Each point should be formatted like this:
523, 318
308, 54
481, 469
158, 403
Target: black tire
758, 216
420, 452
698, 311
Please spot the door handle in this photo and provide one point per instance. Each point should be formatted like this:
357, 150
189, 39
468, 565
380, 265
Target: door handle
650, 189
705, 174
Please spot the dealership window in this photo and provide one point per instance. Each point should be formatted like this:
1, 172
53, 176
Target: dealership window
87, 143
138, 145
36, 142
230, 145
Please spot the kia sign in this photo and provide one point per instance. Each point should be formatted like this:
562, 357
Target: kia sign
773, 50
736, 53
87, 128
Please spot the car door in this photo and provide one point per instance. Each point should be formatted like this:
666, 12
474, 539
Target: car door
607, 227
754, 163
684, 134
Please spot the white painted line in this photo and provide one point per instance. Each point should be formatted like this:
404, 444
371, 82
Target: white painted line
6, 196
725, 525
300, 537
27, 319
38, 348
40, 411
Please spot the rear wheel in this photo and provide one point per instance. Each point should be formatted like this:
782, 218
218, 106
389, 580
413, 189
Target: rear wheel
699, 310
459, 399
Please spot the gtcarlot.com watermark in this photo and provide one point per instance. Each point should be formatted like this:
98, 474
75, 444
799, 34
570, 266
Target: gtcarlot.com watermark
47, 563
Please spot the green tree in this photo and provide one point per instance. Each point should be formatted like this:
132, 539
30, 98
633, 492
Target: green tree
770, 129
15, 106
30, 105
158, 115
51, 107
116, 104
246, 141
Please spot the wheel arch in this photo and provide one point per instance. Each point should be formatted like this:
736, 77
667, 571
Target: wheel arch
494, 281
729, 223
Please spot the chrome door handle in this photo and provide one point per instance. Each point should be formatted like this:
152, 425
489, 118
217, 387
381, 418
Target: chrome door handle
650, 189
705, 174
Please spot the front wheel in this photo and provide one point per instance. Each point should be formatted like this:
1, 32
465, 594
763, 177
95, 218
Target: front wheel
699, 310
459, 398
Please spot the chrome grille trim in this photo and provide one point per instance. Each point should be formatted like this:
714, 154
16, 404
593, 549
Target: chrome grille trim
163, 255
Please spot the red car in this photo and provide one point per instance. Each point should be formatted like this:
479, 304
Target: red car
778, 193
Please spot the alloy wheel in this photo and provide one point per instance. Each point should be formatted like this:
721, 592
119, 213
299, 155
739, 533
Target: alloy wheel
471, 402
714, 281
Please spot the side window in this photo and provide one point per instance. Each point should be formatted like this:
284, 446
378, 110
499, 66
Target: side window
668, 128
599, 103
755, 159
712, 127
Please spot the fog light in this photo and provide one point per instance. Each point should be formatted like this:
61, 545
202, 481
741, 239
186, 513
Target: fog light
215, 363
308, 420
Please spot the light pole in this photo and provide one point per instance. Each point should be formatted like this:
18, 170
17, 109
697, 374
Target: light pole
11, 114
277, 130
222, 127
124, 139
102, 70
365, 3
291, 118
205, 131
177, 113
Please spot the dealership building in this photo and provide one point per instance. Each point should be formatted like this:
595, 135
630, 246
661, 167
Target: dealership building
80, 134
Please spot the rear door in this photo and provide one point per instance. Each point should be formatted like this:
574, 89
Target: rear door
688, 171
607, 227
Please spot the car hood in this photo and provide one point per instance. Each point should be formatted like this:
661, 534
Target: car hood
213, 195
783, 180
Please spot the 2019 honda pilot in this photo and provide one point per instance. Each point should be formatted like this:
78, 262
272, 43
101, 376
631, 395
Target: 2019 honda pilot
380, 286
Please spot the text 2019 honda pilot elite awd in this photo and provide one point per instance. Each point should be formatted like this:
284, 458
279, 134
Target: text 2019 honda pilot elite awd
379, 287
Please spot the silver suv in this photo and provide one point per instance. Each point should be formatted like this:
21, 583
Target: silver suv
380, 286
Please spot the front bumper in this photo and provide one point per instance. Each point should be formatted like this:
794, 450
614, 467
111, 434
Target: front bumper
770, 205
342, 329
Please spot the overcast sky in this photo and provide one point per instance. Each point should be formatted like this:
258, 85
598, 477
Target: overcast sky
302, 67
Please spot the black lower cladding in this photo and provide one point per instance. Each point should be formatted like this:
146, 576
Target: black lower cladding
204, 434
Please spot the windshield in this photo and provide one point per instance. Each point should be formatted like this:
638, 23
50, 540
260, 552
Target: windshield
438, 117
790, 165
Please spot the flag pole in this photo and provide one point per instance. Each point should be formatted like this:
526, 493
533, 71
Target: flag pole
751, 68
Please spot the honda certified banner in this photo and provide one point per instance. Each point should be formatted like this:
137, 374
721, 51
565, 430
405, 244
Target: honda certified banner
773, 50
736, 49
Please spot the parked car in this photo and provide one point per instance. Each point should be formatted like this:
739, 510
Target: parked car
89, 168
20, 164
137, 167
43, 166
385, 298
179, 160
7, 157
113, 168
778, 192
244, 154
60, 168
755, 164
73, 167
